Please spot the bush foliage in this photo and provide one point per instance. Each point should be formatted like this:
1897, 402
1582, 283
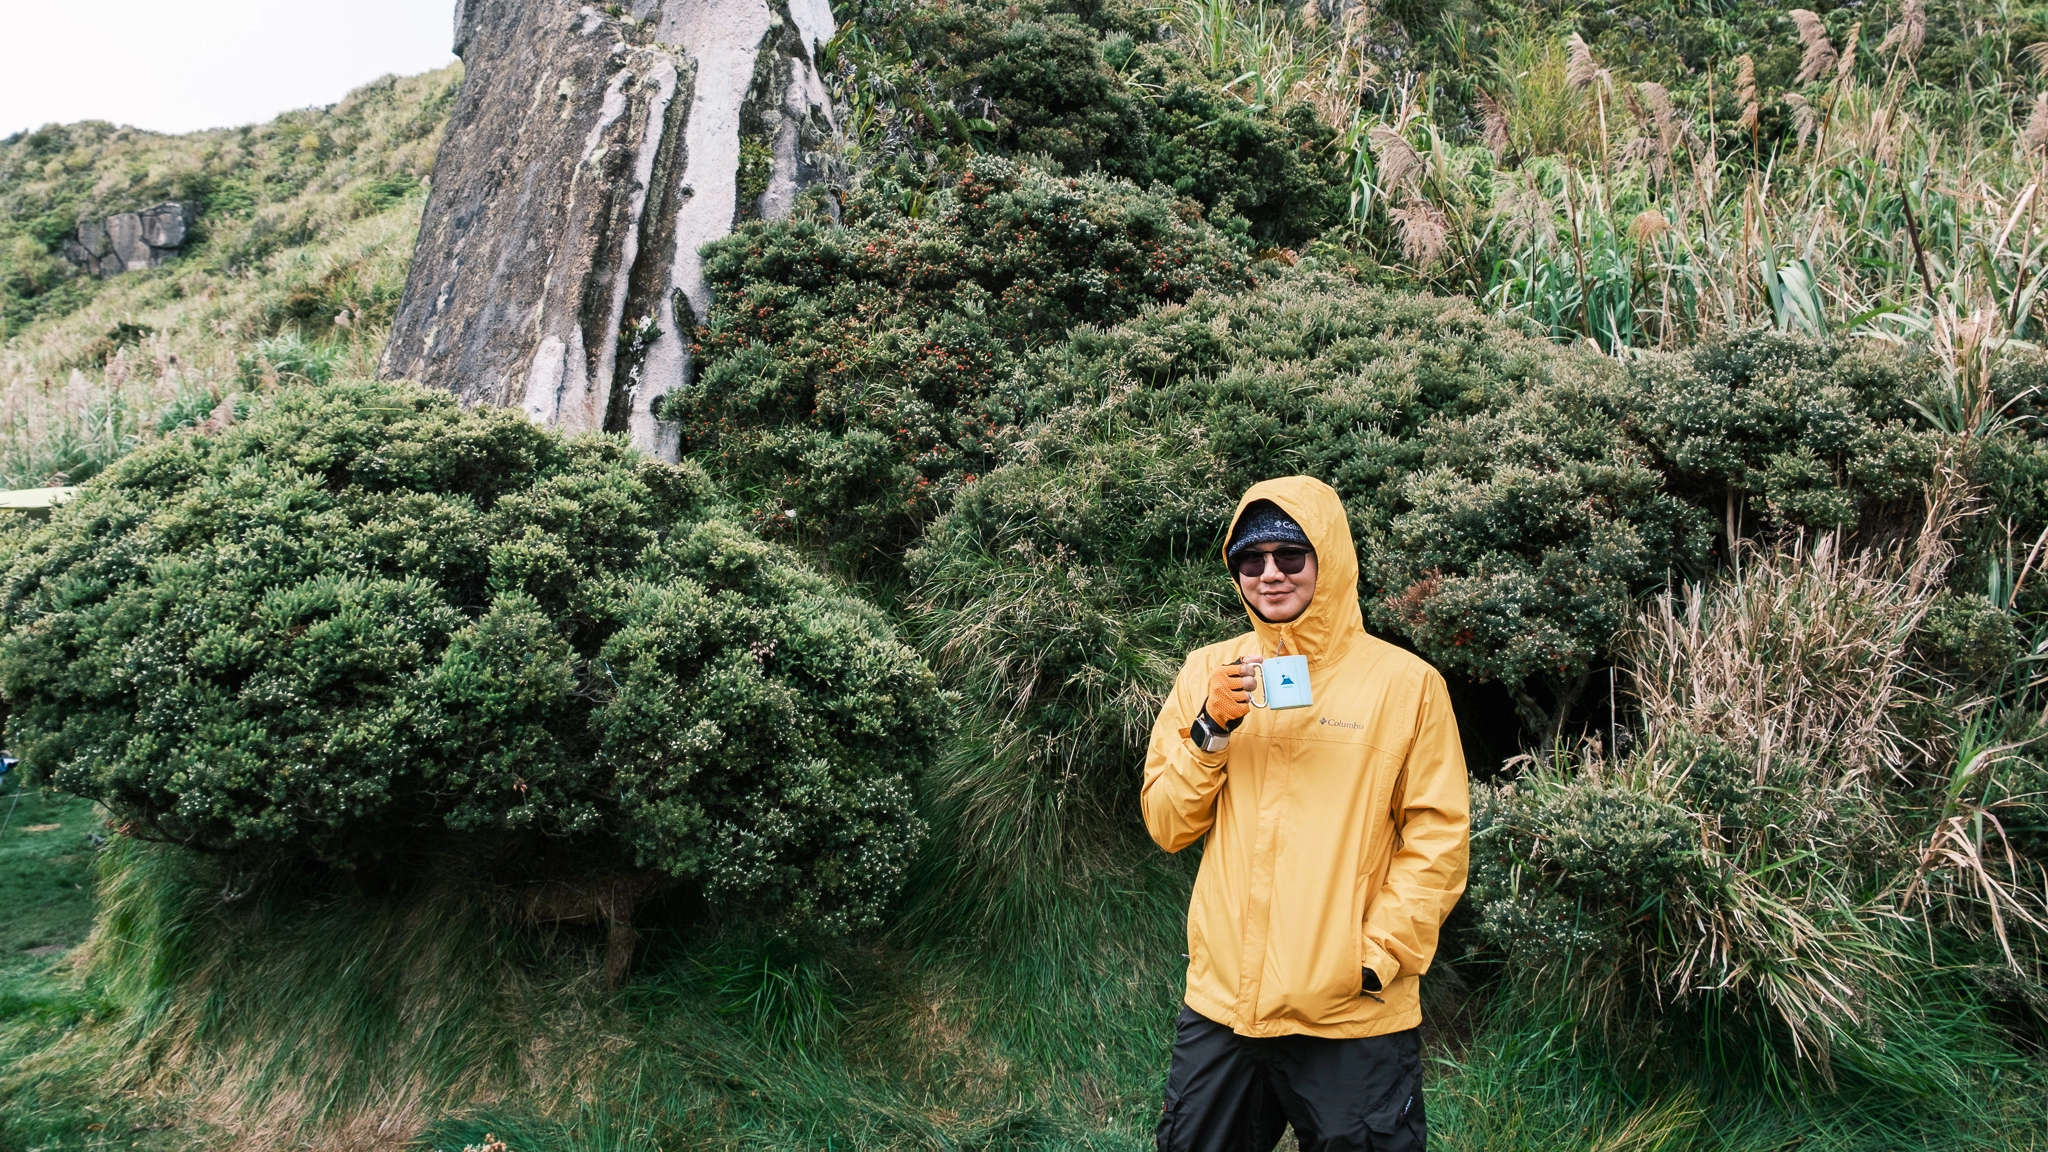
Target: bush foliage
1088, 86
1510, 498
854, 375
364, 615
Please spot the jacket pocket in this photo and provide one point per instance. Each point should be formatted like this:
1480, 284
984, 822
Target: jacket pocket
1371, 955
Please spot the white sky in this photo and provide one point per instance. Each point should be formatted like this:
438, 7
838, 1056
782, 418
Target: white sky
182, 65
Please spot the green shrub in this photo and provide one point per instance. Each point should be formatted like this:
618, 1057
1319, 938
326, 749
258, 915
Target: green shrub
1062, 590
1819, 435
852, 376
1041, 73
365, 616
1099, 87
1966, 642
1509, 497
1502, 514
1776, 854
1273, 176
1511, 500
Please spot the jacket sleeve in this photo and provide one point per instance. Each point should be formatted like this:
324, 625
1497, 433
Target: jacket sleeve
1434, 823
1181, 782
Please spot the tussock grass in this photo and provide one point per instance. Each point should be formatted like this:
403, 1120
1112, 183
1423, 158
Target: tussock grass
377, 1012
264, 1011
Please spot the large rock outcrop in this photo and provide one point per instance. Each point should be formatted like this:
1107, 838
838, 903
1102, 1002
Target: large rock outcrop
128, 241
591, 153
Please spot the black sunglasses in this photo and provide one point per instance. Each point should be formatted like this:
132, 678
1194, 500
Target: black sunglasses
1290, 561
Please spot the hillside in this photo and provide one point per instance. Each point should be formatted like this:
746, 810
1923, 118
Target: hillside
1679, 370
304, 232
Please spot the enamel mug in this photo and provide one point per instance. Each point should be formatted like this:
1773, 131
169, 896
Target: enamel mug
1284, 683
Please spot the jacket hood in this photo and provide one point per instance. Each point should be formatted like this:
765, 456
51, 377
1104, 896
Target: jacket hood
1332, 621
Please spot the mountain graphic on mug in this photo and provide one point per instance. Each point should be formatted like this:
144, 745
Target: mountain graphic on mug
1285, 680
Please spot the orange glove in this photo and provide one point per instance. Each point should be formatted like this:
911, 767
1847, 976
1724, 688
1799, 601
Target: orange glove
1229, 696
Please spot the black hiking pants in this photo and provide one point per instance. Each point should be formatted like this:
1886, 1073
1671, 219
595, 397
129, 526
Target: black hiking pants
1231, 1093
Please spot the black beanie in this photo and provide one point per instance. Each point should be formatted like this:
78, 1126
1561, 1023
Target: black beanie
1264, 523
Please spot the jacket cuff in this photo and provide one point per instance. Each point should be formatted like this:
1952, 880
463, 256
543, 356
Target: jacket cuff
1211, 760
1207, 759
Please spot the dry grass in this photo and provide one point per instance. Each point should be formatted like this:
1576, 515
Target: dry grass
1798, 663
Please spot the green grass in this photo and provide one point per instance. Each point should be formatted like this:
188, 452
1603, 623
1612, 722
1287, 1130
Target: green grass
47, 906
46, 902
306, 1013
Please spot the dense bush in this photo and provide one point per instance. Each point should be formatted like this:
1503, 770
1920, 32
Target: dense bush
1101, 86
364, 616
1067, 583
1509, 497
853, 375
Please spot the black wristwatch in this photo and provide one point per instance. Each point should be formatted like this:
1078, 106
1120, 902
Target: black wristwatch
1208, 735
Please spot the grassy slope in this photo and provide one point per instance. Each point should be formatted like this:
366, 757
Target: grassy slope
305, 237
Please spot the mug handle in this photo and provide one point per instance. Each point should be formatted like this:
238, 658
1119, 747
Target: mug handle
1254, 695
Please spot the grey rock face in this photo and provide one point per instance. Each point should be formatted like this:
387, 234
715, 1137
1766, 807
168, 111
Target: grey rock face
130, 248
131, 240
92, 236
588, 158
164, 225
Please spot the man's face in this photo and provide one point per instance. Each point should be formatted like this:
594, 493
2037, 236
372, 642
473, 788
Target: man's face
1279, 596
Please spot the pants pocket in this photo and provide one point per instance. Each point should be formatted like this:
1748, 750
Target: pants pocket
1396, 1110
1163, 1138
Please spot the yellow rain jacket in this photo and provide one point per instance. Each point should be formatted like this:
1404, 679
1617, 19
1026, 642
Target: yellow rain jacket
1337, 833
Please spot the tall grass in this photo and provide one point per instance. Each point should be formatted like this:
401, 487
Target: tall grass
1640, 211
238, 1011
262, 1011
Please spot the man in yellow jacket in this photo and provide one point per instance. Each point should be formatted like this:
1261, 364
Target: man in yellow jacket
1336, 845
